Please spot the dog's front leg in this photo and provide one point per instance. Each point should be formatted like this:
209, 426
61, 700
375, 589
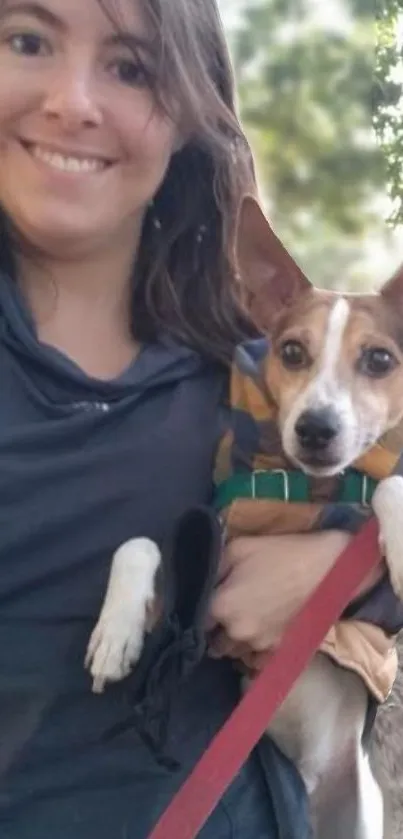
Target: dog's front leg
388, 507
117, 640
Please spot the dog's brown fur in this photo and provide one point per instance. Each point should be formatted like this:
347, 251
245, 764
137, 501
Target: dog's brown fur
283, 302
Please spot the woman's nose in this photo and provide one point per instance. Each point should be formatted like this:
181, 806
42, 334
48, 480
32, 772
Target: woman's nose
72, 101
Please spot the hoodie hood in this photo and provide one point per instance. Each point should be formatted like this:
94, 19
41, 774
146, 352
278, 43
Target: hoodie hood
57, 377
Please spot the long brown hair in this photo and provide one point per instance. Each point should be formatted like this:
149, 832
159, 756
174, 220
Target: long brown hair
184, 282
185, 278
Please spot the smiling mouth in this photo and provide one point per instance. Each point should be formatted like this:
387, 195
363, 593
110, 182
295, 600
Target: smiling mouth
72, 164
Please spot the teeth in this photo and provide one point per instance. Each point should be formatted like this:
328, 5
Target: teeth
68, 164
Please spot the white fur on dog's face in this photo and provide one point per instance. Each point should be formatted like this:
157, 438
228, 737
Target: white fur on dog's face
327, 389
335, 332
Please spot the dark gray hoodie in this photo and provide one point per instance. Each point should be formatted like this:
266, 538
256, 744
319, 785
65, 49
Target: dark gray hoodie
85, 465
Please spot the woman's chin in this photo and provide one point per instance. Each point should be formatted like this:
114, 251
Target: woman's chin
56, 239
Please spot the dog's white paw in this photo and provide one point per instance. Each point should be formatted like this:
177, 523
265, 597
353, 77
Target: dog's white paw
115, 646
117, 640
388, 506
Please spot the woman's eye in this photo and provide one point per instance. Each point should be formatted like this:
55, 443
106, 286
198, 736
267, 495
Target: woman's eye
130, 72
27, 43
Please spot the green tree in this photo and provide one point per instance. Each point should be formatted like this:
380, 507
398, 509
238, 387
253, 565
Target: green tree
305, 95
306, 92
388, 100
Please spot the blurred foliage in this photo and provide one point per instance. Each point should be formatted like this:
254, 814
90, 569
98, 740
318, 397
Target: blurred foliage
310, 87
388, 99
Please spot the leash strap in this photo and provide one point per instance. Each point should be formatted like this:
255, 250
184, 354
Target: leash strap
221, 762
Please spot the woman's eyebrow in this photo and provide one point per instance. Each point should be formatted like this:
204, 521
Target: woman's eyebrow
131, 40
34, 10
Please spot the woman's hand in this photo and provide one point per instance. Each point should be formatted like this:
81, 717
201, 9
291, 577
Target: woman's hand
264, 581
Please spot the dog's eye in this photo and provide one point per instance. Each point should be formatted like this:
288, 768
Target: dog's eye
377, 362
294, 355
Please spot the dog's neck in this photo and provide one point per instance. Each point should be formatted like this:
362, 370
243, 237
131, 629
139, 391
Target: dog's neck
378, 462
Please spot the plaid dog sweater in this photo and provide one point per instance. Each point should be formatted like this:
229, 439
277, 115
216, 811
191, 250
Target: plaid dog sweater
259, 492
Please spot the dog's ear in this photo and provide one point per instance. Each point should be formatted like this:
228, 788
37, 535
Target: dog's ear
269, 276
392, 291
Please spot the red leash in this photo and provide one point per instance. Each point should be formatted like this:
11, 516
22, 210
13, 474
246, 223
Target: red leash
229, 750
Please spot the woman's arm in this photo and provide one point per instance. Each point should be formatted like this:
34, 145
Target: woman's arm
376, 602
265, 581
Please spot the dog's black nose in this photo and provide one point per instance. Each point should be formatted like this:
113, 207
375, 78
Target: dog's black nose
316, 429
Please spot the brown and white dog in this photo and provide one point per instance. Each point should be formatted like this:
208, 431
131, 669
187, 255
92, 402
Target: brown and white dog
335, 371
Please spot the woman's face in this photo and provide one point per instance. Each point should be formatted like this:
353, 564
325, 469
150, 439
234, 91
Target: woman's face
83, 146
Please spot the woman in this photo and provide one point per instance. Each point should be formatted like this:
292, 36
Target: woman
121, 167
